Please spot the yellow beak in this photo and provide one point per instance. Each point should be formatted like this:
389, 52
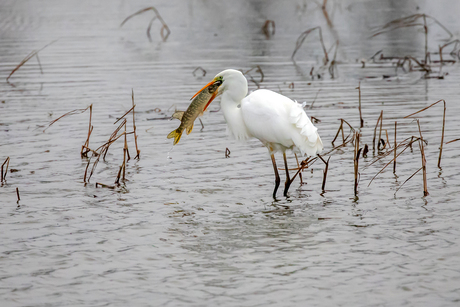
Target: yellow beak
214, 95
209, 84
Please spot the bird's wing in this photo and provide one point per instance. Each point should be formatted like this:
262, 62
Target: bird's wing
265, 117
299, 118
309, 141
276, 119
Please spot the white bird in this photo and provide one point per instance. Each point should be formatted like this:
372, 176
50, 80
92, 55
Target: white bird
277, 121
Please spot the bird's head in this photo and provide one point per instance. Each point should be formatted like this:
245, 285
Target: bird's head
229, 79
212, 87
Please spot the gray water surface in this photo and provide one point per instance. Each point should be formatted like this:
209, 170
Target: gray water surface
190, 227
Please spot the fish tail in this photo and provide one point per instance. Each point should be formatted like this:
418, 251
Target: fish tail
176, 134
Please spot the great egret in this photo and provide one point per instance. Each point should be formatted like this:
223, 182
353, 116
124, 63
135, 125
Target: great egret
277, 121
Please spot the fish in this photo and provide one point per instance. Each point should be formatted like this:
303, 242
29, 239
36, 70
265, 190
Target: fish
200, 103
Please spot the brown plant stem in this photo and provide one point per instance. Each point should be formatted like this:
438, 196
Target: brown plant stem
359, 107
394, 162
3, 174
408, 180
17, 194
138, 152
73, 112
298, 165
27, 58
407, 146
443, 125
157, 15
84, 153
375, 131
266, 28
357, 151
302, 38
380, 131
326, 168
422, 151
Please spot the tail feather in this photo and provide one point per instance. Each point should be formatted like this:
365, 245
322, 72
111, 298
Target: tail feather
308, 140
176, 134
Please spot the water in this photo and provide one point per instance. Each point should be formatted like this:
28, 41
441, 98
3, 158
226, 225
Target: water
191, 227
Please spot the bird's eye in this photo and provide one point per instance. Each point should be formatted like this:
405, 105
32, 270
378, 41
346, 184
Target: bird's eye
219, 81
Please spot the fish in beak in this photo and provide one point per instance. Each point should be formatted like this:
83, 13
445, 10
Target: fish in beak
200, 102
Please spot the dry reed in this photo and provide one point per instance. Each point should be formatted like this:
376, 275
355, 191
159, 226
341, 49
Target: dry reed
3, 173
443, 125
251, 78
298, 165
316, 96
163, 29
138, 152
103, 149
417, 20
17, 194
375, 131
451, 141
73, 112
361, 121
365, 150
302, 38
352, 130
85, 147
26, 59
326, 168
304, 164
402, 143
269, 28
201, 69
394, 162
126, 157
422, 152
410, 177
333, 66
357, 152
411, 21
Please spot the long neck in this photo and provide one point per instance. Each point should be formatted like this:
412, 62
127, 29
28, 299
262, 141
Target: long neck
231, 107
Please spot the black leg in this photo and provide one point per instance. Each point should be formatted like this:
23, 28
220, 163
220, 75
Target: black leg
277, 176
288, 180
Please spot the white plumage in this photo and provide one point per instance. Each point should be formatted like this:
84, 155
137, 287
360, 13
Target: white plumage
280, 123
277, 121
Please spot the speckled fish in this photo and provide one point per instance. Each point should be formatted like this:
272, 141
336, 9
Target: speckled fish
200, 103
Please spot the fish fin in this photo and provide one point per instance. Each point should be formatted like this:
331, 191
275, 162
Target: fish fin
189, 129
210, 100
178, 115
176, 134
